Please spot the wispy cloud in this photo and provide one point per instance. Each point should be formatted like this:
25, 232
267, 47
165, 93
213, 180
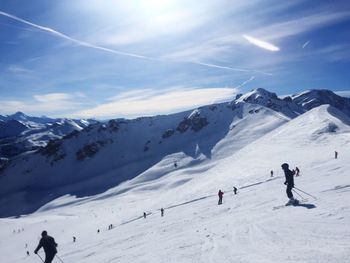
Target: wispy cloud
90, 45
150, 102
260, 43
52, 97
49, 104
343, 93
232, 43
15, 69
300, 25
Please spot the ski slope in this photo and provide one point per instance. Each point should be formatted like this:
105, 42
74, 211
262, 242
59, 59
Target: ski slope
247, 227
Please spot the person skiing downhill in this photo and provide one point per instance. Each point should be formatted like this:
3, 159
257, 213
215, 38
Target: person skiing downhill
290, 183
48, 243
220, 194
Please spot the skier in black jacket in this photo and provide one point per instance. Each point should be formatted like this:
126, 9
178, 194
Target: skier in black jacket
49, 245
289, 182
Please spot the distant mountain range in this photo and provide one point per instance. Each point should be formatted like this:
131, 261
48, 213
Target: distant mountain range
20, 133
43, 159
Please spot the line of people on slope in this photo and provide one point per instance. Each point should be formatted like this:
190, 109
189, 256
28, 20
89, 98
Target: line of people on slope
161, 213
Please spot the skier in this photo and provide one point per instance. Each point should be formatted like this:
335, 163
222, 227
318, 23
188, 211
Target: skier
144, 214
235, 190
220, 194
162, 211
271, 173
74, 239
175, 164
297, 171
27, 253
98, 231
336, 155
49, 245
290, 184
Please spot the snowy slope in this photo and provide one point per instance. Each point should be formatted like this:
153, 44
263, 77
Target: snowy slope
101, 156
246, 228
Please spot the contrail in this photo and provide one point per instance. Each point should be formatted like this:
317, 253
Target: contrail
76, 41
306, 43
245, 82
86, 44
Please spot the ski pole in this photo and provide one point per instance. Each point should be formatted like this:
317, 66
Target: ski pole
59, 258
305, 193
40, 258
302, 197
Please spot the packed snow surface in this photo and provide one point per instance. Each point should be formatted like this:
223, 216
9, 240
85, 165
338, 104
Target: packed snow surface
252, 226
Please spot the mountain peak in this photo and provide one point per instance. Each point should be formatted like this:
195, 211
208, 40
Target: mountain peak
259, 92
269, 99
313, 98
19, 114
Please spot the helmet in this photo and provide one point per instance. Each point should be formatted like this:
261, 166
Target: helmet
44, 233
285, 166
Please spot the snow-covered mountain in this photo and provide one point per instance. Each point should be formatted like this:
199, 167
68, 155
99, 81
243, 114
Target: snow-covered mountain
101, 156
20, 133
314, 98
252, 226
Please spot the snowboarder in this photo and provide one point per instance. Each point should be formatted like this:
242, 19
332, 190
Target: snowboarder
162, 211
297, 171
290, 183
235, 190
74, 239
144, 214
271, 173
49, 245
336, 155
220, 194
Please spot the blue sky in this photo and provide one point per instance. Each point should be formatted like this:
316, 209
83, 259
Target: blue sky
110, 58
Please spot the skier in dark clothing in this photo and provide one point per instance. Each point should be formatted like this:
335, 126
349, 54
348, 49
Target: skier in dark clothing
271, 173
289, 182
235, 190
49, 245
220, 194
162, 211
144, 214
336, 155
